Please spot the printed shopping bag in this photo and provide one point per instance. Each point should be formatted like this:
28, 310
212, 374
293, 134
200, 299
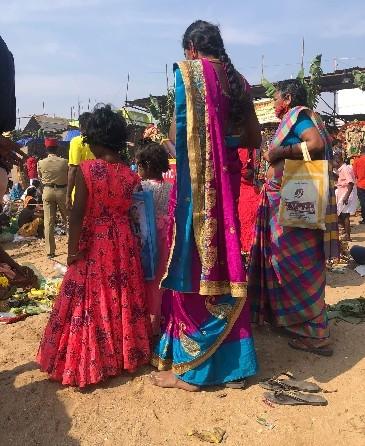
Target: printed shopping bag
304, 193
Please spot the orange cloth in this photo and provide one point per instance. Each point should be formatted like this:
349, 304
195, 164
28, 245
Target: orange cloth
359, 171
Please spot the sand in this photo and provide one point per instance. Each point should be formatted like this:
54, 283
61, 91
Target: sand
129, 411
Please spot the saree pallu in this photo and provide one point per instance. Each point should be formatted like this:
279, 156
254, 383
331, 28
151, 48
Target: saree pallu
287, 274
206, 324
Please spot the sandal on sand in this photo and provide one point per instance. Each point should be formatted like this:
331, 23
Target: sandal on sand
239, 384
293, 398
289, 384
300, 344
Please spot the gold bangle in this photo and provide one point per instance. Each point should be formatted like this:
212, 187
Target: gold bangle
165, 140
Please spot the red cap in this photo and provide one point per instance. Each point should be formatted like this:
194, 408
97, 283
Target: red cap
50, 142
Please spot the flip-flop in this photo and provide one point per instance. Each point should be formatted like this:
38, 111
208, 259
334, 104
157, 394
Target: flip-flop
322, 351
293, 398
289, 384
239, 384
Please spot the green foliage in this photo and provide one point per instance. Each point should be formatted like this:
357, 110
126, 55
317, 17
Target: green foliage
359, 79
300, 75
311, 84
162, 110
269, 88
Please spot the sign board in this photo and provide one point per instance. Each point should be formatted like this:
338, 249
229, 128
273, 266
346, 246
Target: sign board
265, 111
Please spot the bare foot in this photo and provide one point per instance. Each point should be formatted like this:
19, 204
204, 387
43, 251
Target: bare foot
170, 380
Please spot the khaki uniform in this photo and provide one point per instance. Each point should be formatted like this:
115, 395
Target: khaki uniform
53, 172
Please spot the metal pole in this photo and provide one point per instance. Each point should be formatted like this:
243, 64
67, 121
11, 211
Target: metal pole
262, 67
303, 47
127, 90
335, 66
167, 79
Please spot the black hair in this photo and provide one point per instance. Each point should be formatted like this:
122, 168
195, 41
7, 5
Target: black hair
83, 118
108, 129
206, 38
52, 150
31, 192
295, 89
154, 157
36, 183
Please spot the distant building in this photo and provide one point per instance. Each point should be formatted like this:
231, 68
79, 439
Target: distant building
46, 125
351, 102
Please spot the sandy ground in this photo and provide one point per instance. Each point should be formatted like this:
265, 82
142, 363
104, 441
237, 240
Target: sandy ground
129, 411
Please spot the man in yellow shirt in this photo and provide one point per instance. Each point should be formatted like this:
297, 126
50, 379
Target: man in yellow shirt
78, 152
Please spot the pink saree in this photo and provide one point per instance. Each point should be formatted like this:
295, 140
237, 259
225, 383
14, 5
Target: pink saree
206, 332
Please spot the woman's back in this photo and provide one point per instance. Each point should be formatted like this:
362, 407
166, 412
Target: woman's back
110, 187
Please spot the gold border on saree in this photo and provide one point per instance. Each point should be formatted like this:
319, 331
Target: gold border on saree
179, 369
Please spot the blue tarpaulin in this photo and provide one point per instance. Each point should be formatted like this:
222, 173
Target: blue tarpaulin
71, 134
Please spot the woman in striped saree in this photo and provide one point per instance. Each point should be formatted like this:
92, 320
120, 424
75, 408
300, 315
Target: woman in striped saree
287, 273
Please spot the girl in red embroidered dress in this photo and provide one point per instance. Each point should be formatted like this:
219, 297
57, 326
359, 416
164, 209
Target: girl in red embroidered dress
99, 325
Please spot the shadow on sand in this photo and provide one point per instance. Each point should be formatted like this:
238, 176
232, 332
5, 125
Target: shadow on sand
275, 356
31, 414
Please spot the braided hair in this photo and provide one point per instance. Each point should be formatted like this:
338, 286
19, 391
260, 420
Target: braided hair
206, 38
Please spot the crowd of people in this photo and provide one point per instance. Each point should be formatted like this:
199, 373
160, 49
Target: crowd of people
223, 258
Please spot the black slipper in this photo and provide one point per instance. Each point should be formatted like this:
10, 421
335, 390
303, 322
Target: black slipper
289, 384
293, 398
322, 351
239, 384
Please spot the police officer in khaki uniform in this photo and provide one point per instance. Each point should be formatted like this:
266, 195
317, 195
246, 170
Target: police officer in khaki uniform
53, 172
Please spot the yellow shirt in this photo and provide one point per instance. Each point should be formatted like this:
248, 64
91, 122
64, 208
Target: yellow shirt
79, 152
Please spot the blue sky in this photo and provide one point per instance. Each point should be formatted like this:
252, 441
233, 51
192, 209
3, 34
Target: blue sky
67, 50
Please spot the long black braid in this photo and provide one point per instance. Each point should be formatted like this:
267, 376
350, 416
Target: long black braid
206, 38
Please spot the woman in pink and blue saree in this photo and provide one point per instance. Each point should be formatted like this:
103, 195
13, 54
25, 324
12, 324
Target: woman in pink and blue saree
206, 336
